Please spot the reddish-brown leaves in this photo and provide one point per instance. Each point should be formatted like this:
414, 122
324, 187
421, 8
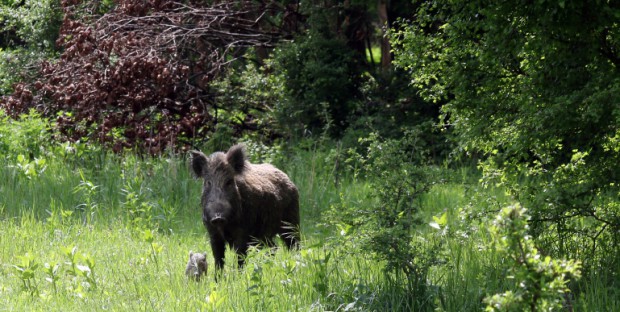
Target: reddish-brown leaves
138, 76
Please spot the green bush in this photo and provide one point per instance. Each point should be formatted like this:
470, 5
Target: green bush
321, 79
29, 135
28, 31
540, 282
245, 98
387, 224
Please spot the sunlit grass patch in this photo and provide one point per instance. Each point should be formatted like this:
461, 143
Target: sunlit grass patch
106, 232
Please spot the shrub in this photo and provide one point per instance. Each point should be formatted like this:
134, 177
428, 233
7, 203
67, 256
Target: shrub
246, 97
28, 30
540, 282
321, 78
540, 107
28, 135
388, 224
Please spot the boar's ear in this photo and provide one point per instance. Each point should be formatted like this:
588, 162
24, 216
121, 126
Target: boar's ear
236, 158
198, 163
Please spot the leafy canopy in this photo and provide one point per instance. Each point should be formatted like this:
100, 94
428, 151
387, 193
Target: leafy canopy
535, 87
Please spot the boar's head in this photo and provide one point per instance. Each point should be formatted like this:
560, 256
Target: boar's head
221, 200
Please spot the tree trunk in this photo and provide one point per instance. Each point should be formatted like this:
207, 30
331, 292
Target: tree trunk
386, 57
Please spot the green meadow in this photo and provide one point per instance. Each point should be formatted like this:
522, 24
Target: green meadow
97, 231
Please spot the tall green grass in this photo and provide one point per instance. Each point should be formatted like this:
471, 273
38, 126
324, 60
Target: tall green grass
138, 218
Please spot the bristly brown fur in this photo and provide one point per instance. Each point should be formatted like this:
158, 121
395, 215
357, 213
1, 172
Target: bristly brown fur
236, 157
196, 265
198, 162
243, 203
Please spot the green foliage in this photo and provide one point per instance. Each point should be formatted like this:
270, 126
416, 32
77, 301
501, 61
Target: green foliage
122, 266
33, 23
391, 106
25, 144
51, 270
541, 283
30, 169
321, 79
259, 152
29, 136
26, 269
137, 205
155, 248
246, 98
28, 31
404, 241
535, 88
140, 205
88, 191
79, 275
76, 270
389, 224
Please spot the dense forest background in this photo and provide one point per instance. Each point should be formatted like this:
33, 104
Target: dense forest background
522, 96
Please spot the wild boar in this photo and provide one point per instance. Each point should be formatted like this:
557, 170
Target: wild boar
244, 203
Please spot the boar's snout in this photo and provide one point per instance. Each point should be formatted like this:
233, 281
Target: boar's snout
218, 220
216, 214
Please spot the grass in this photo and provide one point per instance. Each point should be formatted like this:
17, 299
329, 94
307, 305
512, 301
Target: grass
103, 232
138, 219
130, 276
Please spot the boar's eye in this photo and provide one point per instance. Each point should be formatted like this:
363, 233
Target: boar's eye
208, 184
230, 182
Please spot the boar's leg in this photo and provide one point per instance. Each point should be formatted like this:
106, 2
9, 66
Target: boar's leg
218, 247
242, 251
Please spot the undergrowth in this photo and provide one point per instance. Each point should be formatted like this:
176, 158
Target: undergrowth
91, 230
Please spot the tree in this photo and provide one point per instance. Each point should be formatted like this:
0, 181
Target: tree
535, 87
